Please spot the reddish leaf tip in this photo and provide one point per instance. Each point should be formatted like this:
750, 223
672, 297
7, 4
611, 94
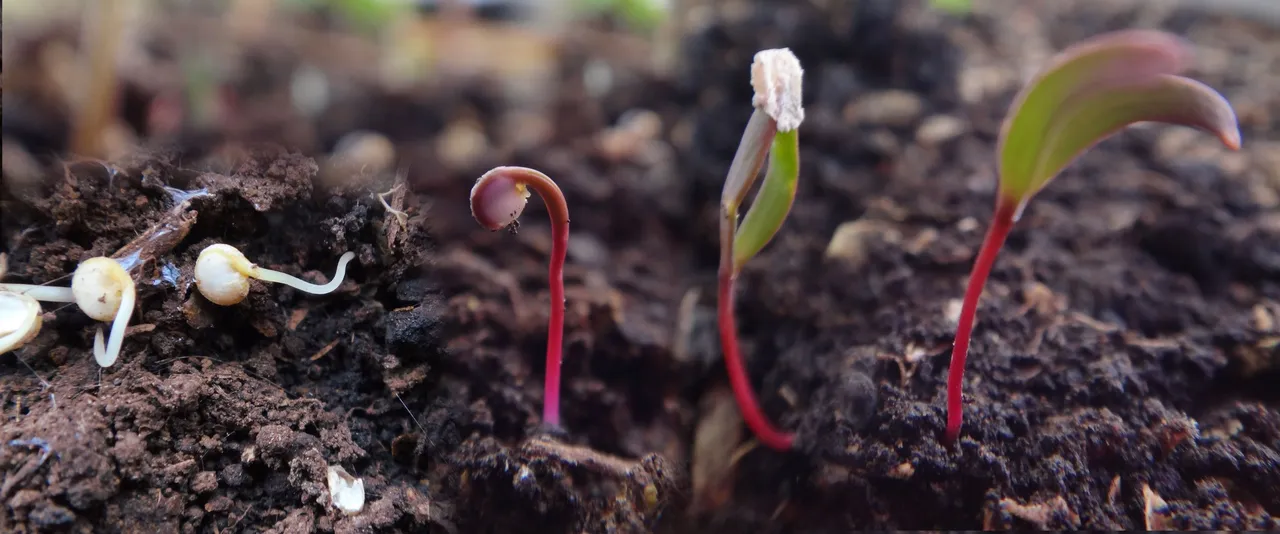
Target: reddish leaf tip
1231, 139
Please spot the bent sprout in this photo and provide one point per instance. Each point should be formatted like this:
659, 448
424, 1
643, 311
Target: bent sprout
101, 287
497, 200
222, 275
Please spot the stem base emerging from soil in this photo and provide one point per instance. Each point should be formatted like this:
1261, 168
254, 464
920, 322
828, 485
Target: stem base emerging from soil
738, 379
1001, 223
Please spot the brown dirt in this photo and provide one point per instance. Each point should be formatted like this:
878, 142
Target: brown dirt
1123, 370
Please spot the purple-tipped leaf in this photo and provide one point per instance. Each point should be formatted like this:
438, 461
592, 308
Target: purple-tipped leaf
1090, 117
1095, 88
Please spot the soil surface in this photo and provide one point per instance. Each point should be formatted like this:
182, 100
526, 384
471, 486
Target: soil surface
1122, 376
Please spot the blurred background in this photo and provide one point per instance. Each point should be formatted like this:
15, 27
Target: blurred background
420, 85
437, 91
444, 89
440, 84
98, 79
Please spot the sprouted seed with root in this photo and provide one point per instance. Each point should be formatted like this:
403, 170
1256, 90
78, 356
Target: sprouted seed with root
222, 275
101, 287
497, 200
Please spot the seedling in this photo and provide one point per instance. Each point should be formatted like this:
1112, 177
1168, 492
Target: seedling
497, 200
1087, 93
100, 287
776, 77
222, 275
19, 320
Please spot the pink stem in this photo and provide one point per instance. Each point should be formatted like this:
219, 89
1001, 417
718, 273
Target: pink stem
738, 379
555, 328
497, 200
1001, 224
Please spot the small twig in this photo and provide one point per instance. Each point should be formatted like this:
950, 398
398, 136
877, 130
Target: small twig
782, 507
325, 350
684, 325
1037, 337
585, 457
158, 240
411, 416
742, 451
242, 516
296, 318
1094, 323
401, 217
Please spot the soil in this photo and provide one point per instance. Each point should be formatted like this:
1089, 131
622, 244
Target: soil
1123, 371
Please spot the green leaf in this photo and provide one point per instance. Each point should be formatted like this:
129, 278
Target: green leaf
1094, 89
773, 201
1091, 117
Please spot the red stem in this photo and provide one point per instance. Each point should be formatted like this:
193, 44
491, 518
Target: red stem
555, 328
1001, 224
738, 379
558, 210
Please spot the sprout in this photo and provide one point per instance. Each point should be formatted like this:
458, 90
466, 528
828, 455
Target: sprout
1089, 91
222, 275
497, 200
101, 287
19, 320
776, 77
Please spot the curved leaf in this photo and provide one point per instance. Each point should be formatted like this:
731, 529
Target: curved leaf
773, 201
1088, 118
1127, 58
745, 168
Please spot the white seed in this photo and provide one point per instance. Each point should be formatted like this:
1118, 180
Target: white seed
19, 320
346, 491
217, 277
99, 285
